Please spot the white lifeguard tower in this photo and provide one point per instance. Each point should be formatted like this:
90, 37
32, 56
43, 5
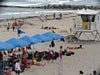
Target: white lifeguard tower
90, 23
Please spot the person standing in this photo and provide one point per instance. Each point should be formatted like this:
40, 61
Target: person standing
5, 59
52, 44
18, 67
1, 64
15, 23
60, 53
60, 15
60, 63
54, 15
8, 26
50, 53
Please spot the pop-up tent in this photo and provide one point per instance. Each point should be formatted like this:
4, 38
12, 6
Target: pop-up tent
30, 40
54, 36
42, 38
6, 46
17, 42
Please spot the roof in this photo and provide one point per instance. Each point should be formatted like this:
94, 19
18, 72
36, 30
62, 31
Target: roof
87, 12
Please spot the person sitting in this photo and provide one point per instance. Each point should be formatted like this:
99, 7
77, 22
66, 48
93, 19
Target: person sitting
7, 71
94, 72
81, 72
26, 63
80, 46
35, 62
75, 47
64, 52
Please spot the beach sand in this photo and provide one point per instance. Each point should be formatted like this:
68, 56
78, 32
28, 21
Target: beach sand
86, 59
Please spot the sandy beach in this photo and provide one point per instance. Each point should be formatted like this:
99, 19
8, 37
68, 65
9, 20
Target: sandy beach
86, 59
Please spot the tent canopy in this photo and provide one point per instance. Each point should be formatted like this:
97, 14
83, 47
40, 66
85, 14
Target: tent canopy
42, 38
30, 40
6, 46
87, 12
17, 42
54, 36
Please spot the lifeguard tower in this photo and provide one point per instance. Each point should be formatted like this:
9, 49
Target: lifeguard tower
90, 23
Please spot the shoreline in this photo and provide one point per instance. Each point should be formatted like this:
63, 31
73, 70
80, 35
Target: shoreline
59, 6
43, 16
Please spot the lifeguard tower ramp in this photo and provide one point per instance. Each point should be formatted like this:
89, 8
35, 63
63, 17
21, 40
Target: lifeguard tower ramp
90, 24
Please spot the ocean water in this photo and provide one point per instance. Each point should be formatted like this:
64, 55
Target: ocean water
12, 12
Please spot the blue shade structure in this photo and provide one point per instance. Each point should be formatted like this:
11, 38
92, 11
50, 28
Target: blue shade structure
30, 39
17, 42
6, 46
54, 36
42, 38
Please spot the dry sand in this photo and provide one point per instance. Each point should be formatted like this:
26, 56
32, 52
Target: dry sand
86, 59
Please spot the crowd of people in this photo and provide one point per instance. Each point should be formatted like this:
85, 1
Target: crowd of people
15, 61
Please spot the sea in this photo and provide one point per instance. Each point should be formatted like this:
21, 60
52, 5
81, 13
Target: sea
14, 12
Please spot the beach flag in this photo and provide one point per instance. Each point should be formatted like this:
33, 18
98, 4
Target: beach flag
20, 31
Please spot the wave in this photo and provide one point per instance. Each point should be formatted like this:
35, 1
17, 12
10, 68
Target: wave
10, 15
23, 4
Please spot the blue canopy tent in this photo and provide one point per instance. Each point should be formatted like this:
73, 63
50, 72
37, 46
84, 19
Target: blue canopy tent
17, 42
54, 36
6, 46
30, 40
42, 38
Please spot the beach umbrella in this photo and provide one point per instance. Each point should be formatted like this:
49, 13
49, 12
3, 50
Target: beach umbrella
30, 40
42, 38
6, 46
17, 42
54, 36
